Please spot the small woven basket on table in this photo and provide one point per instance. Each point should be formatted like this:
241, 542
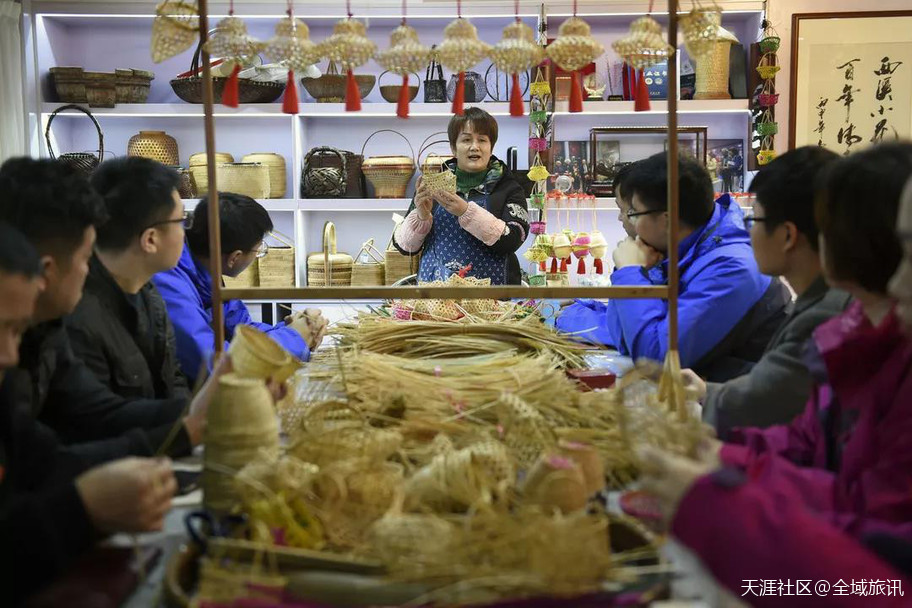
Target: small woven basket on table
329, 267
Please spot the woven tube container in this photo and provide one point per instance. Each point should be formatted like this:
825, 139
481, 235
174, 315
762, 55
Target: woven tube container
156, 145
255, 355
241, 422
249, 179
277, 174
713, 70
198, 175
277, 268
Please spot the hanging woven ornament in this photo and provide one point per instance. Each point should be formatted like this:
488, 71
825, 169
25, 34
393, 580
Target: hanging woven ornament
293, 47
574, 49
174, 30
516, 52
460, 50
232, 42
405, 56
538, 172
700, 28
581, 244
349, 47
643, 47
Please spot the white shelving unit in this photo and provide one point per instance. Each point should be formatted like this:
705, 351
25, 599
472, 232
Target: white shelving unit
92, 35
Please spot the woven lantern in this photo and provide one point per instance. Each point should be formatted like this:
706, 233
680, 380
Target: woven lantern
516, 52
292, 46
174, 29
350, 48
232, 42
700, 28
460, 50
574, 49
598, 248
580, 245
405, 55
643, 47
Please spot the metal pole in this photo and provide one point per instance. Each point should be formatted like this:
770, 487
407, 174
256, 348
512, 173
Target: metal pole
673, 212
215, 233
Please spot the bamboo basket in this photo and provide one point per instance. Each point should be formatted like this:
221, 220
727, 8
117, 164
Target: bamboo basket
249, 278
328, 267
256, 355
397, 266
156, 145
277, 174
198, 175
712, 72
371, 273
390, 175
277, 268
249, 179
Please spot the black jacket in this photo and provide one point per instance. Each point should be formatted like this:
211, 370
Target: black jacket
132, 353
59, 390
505, 200
43, 522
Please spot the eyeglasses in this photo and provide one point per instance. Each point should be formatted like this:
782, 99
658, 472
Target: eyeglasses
750, 220
262, 250
186, 219
631, 214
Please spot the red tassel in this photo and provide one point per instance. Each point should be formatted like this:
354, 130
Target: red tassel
564, 263
517, 108
599, 267
576, 93
352, 94
581, 266
402, 108
459, 95
541, 266
290, 99
553, 265
230, 94
641, 103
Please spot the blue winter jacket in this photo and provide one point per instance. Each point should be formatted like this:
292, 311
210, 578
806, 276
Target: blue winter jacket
719, 284
187, 291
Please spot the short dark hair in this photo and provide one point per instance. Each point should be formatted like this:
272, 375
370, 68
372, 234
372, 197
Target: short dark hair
49, 202
480, 121
786, 188
244, 222
17, 255
649, 180
137, 192
856, 209
620, 178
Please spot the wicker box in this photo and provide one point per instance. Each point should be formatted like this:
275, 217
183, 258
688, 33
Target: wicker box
249, 278
277, 267
329, 262
398, 266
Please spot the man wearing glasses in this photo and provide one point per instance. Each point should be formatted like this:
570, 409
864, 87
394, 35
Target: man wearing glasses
187, 288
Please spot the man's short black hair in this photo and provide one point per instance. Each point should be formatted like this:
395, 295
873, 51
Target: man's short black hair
244, 223
856, 209
619, 183
648, 179
786, 188
137, 193
17, 255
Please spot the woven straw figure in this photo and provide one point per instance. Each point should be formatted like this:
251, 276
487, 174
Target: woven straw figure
574, 49
460, 50
350, 48
700, 27
174, 29
405, 55
232, 42
292, 46
516, 52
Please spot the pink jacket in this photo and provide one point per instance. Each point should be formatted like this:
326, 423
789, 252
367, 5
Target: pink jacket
848, 457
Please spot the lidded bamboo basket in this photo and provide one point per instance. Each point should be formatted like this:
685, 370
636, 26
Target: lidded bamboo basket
329, 268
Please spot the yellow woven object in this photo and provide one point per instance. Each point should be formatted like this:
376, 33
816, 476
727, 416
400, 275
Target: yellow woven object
249, 278
405, 54
644, 45
700, 28
574, 48
256, 355
231, 41
461, 49
249, 179
517, 51
349, 46
292, 44
277, 173
175, 29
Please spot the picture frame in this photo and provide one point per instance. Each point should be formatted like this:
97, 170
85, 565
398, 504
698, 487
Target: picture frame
726, 162
850, 79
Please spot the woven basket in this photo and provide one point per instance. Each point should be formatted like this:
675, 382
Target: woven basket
249, 179
83, 162
249, 278
330, 87
769, 66
390, 175
370, 273
156, 145
390, 92
398, 266
713, 72
328, 267
256, 355
190, 87
277, 175
199, 175
277, 267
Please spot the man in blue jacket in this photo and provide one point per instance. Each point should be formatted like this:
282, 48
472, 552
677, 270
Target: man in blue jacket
187, 289
728, 311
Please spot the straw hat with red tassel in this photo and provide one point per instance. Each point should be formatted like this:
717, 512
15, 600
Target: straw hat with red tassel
292, 46
232, 42
573, 49
405, 55
643, 47
516, 52
349, 47
460, 50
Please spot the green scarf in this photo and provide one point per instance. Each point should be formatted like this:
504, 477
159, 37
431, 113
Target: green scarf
466, 181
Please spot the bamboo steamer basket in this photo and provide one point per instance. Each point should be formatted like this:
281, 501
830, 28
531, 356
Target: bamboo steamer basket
249, 278
255, 355
277, 174
277, 267
370, 273
390, 175
156, 145
329, 267
249, 179
198, 175
713, 71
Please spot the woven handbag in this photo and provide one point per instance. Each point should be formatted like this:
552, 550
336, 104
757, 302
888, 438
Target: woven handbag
369, 266
332, 173
434, 83
83, 162
277, 267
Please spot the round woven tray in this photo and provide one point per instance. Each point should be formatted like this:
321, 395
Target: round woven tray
191, 90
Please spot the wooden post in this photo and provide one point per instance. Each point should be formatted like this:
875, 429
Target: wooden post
673, 211
215, 232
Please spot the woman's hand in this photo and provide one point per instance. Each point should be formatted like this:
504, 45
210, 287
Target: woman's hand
424, 203
668, 478
451, 202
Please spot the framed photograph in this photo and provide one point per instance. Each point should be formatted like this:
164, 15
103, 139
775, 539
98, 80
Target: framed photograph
851, 79
572, 158
725, 163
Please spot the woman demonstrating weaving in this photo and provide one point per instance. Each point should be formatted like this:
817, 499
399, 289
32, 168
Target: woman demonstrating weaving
478, 227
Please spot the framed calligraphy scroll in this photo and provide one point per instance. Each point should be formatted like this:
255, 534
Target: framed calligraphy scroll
851, 79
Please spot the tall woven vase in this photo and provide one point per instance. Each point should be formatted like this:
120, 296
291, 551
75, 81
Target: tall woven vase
241, 422
713, 70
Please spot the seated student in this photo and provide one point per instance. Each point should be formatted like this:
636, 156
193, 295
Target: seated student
728, 311
50, 510
784, 239
120, 329
54, 206
482, 225
187, 288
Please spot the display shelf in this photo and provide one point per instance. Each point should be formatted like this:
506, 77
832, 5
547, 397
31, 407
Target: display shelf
354, 204
270, 204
